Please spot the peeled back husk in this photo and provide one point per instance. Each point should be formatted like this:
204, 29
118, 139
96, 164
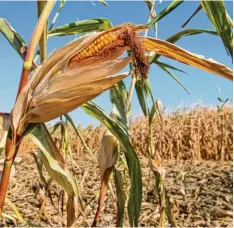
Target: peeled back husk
69, 78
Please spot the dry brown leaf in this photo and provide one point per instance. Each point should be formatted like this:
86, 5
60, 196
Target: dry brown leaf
172, 51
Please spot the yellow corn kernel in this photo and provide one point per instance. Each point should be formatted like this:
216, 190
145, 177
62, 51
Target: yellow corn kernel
99, 46
95, 48
106, 41
106, 36
98, 40
112, 37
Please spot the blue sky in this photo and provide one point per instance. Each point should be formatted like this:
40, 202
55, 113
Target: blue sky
202, 85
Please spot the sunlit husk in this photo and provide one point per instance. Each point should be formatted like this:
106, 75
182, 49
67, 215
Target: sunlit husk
55, 87
172, 51
108, 154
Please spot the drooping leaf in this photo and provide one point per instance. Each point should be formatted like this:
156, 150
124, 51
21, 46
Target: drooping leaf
119, 131
89, 25
163, 67
172, 5
176, 53
59, 174
217, 13
169, 66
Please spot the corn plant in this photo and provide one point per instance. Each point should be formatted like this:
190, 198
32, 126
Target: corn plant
75, 74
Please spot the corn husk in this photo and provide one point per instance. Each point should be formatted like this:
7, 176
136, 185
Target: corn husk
108, 154
55, 88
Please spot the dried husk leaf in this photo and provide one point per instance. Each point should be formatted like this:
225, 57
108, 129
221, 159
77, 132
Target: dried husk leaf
172, 51
109, 152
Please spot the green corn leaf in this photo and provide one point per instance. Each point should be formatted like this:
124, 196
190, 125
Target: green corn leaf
190, 18
217, 13
119, 131
121, 198
144, 90
90, 25
187, 32
124, 93
163, 67
141, 97
172, 5
13, 38
155, 109
59, 174
169, 66
119, 104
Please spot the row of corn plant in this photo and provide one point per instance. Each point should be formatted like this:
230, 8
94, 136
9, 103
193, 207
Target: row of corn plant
78, 72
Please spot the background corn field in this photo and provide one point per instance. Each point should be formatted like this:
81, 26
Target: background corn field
188, 133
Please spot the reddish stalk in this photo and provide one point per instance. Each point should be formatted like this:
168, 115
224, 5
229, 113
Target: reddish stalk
12, 147
102, 195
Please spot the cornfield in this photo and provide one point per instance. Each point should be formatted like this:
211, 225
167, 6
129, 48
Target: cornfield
196, 134
123, 163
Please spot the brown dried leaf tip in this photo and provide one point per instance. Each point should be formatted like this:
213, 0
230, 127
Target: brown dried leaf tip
121, 37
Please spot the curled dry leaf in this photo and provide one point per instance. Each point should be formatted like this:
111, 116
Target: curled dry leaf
172, 51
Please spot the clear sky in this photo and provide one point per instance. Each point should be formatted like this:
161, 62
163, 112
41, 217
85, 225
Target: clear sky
202, 85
